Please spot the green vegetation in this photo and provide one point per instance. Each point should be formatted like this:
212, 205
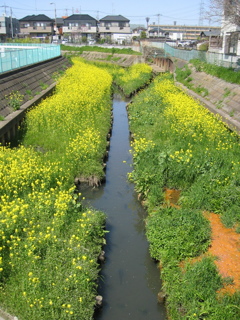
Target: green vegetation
227, 93
203, 47
15, 99
183, 76
26, 40
98, 49
133, 78
178, 144
129, 80
29, 94
176, 234
49, 241
43, 85
227, 74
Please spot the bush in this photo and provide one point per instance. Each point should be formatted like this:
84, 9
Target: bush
177, 234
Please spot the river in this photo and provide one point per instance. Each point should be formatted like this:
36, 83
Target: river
130, 279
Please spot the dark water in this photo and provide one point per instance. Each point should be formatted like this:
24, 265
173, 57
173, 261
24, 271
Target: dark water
130, 279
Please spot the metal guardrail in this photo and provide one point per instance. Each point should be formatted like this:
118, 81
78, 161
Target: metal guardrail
18, 55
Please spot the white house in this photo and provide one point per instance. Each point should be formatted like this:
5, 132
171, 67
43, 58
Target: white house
231, 35
115, 28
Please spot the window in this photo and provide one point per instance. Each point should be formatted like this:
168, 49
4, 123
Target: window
121, 25
25, 25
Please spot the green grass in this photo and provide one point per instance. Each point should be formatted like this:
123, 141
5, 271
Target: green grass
186, 148
177, 234
98, 49
129, 80
49, 242
183, 76
227, 74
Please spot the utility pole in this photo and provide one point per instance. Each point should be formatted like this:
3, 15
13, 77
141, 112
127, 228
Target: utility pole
147, 19
55, 14
158, 23
11, 22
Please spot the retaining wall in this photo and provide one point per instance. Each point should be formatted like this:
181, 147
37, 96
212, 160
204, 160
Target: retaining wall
34, 83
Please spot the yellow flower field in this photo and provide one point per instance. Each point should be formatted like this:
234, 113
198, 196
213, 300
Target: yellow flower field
49, 243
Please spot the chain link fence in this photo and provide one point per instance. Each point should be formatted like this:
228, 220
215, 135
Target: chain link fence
220, 59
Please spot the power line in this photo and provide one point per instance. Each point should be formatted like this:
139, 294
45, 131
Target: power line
201, 13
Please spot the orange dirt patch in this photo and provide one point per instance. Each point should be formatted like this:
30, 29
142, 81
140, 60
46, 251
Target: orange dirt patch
225, 246
172, 197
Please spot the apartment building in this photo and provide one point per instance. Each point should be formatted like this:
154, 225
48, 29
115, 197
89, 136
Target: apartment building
183, 32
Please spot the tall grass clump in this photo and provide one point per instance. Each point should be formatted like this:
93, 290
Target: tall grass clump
178, 144
49, 241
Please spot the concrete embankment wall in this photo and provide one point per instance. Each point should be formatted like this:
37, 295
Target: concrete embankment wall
123, 60
218, 96
33, 83
223, 98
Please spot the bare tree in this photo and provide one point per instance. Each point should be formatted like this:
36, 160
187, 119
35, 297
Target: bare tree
228, 9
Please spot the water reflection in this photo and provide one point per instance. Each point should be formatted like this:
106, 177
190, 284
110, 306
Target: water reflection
130, 277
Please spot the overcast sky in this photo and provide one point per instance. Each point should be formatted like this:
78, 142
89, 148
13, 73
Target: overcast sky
184, 12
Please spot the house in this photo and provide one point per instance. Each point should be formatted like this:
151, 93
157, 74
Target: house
115, 28
78, 27
231, 34
9, 28
138, 31
176, 36
214, 39
157, 32
36, 26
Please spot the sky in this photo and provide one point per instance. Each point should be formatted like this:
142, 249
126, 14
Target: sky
184, 12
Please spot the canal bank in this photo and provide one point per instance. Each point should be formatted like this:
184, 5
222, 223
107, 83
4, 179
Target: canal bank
130, 278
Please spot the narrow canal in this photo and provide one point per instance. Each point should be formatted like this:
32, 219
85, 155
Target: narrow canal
130, 278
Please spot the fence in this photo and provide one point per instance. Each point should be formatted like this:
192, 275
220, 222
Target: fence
17, 55
219, 59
